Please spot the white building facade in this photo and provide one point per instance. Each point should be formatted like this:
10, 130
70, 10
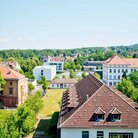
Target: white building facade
63, 83
114, 68
99, 133
48, 71
57, 61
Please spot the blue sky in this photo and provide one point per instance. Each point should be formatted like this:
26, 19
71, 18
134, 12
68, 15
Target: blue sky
41, 24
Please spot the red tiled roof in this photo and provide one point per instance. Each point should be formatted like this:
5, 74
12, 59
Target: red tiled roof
9, 73
132, 61
80, 102
116, 60
56, 59
64, 81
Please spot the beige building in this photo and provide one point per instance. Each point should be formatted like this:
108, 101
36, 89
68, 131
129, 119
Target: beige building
15, 90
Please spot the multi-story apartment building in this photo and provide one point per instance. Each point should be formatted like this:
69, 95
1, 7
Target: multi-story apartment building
58, 61
114, 68
15, 91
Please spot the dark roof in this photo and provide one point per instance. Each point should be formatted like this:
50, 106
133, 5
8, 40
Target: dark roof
90, 95
64, 81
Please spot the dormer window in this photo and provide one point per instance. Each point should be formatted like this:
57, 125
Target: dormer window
99, 114
115, 115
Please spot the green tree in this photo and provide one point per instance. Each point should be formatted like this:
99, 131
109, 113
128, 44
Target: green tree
72, 73
31, 86
44, 83
97, 76
134, 78
126, 87
64, 76
84, 75
2, 82
124, 75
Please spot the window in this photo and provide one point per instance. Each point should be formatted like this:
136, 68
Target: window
118, 70
131, 70
10, 90
65, 85
42, 72
85, 134
120, 135
122, 70
10, 83
99, 117
115, 117
119, 77
100, 134
110, 77
114, 77
114, 70
110, 83
114, 83
126, 70
110, 70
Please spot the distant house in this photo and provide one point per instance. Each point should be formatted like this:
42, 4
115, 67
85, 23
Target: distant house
48, 71
12, 64
91, 109
57, 61
63, 83
93, 66
114, 68
15, 91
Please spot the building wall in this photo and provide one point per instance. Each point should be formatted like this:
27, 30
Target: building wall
22, 90
19, 95
49, 73
59, 65
59, 86
11, 84
112, 77
77, 133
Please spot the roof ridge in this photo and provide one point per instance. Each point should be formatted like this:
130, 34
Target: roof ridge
80, 106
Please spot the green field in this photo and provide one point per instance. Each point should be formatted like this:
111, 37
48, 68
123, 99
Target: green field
52, 102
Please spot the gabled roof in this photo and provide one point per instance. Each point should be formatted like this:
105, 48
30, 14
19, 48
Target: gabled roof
9, 73
99, 111
64, 81
89, 96
116, 60
115, 111
132, 61
56, 59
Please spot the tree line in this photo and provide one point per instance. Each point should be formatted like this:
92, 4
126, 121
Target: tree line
22, 122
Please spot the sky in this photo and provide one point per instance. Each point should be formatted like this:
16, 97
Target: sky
54, 24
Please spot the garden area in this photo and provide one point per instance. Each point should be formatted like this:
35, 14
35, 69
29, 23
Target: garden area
47, 125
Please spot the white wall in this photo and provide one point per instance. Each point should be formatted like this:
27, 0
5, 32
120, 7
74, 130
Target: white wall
58, 85
48, 72
77, 133
106, 73
57, 64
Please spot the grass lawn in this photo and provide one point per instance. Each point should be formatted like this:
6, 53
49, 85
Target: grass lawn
52, 102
